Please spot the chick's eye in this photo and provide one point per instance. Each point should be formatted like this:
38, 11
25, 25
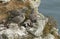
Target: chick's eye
4, 1
1, 1
34, 0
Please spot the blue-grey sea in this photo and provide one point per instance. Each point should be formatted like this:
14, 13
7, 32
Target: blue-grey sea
51, 8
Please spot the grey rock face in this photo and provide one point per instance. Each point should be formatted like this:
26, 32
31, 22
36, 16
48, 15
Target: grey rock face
49, 36
35, 3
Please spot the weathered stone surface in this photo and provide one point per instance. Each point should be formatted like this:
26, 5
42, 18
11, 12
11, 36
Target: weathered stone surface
35, 3
49, 36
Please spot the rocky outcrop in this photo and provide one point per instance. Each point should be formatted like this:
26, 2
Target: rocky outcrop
23, 21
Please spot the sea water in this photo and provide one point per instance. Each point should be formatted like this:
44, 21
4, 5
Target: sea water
51, 8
